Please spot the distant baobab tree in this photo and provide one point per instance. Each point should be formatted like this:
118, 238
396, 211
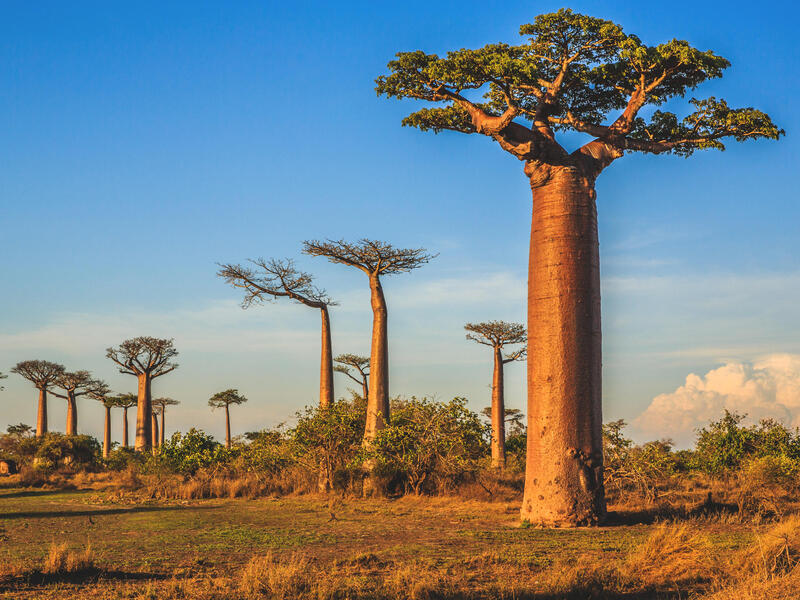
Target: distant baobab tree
581, 74
360, 364
375, 258
146, 358
280, 278
154, 418
125, 401
224, 400
162, 404
108, 402
42, 374
76, 384
497, 335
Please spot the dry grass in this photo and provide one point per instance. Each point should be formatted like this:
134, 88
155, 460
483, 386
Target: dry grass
61, 560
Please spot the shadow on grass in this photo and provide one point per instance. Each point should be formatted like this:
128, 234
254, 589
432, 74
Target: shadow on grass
647, 516
29, 493
84, 576
95, 513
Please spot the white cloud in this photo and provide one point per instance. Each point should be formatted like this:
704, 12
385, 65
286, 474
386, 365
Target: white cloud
769, 387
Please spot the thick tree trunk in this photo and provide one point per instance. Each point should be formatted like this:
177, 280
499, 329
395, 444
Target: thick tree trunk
326, 362
41, 416
107, 434
154, 417
125, 427
378, 399
144, 420
498, 413
227, 427
163, 419
72, 414
564, 469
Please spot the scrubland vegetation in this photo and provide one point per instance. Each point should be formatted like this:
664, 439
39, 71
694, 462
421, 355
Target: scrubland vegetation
195, 519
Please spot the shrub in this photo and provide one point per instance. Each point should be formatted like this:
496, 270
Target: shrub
186, 454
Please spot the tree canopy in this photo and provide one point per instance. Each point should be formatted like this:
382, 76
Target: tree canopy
226, 398
42, 373
498, 334
144, 356
162, 403
80, 383
126, 400
274, 279
575, 72
348, 361
374, 257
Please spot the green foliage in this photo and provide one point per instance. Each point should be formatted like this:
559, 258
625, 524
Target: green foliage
575, 72
186, 454
428, 440
55, 450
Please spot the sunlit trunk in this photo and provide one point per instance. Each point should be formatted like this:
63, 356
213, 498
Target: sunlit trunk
378, 398
107, 433
163, 419
144, 410
72, 414
154, 418
41, 416
227, 427
564, 472
326, 362
125, 427
498, 413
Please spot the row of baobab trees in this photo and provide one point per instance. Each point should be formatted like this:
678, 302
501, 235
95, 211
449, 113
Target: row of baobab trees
148, 358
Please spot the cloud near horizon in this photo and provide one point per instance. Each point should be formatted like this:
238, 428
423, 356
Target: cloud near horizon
769, 387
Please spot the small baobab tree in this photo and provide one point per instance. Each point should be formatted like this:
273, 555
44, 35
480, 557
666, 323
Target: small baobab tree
497, 335
108, 402
273, 279
580, 74
224, 400
125, 401
42, 374
146, 358
375, 258
75, 384
162, 404
154, 417
358, 363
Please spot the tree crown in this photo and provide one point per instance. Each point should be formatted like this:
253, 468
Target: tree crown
144, 355
274, 279
374, 257
496, 333
579, 73
42, 373
80, 383
126, 400
164, 402
348, 361
226, 398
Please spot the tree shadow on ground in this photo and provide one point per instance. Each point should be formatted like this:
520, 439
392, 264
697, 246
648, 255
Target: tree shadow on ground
28, 493
34, 579
647, 516
54, 514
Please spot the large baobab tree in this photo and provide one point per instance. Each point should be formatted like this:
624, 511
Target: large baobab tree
360, 364
75, 384
581, 74
147, 358
42, 374
497, 335
374, 258
278, 279
125, 401
224, 400
162, 404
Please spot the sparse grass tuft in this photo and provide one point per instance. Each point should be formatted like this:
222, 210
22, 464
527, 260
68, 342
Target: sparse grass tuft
62, 561
270, 578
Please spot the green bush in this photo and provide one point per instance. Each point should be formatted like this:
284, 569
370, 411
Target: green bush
186, 454
55, 450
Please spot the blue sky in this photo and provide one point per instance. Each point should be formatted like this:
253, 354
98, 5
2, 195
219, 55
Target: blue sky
144, 143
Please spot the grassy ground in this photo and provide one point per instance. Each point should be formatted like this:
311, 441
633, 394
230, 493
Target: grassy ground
410, 547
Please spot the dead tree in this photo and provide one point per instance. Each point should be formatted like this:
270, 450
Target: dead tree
146, 358
76, 384
224, 400
125, 401
162, 404
360, 364
375, 258
278, 279
42, 374
497, 335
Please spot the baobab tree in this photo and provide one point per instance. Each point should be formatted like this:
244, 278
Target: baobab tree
224, 400
374, 258
162, 404
154, 417
108, 402
582, 74
281, 279
147, 358
125, 401
497, 335
76, 384
360, 364
42, 374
